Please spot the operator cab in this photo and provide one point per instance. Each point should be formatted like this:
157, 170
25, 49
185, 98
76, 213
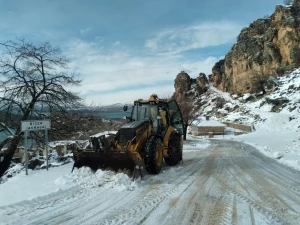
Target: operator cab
161, 114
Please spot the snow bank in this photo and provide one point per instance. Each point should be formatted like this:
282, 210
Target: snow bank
39, 183
86, 178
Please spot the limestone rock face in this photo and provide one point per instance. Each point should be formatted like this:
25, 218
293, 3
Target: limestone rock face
269, 46
202, 80
202, 83
182, 85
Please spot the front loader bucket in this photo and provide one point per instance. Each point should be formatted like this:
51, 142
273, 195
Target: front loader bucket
113, 160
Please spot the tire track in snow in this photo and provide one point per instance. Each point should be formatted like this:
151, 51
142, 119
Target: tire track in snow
155, 194
247, 186
207, 205
148, 204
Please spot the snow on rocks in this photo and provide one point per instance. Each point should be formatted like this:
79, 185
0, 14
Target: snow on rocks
12, 171
277, 155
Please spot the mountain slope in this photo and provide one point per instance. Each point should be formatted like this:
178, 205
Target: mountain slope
275, 117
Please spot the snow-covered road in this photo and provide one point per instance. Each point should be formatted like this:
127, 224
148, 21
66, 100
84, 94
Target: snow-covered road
227, 183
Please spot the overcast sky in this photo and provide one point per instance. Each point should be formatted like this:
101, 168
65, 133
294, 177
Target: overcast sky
128, 49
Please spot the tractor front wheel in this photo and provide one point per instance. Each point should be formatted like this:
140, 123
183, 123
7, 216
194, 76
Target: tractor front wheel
153, 155
174, 150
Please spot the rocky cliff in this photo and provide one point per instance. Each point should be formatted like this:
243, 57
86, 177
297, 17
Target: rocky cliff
269, 46
182, 85
188, 90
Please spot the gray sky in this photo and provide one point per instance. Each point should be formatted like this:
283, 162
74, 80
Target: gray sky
129, 49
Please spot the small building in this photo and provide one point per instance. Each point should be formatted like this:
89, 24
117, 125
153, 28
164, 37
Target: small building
205, 126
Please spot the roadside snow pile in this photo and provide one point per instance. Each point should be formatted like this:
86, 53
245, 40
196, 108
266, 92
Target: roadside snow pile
34, 164
86, 178
12, 171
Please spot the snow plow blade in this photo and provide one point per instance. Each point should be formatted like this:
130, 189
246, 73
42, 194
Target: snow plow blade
116, 160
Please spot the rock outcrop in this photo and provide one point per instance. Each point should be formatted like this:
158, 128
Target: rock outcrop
202, 83
182, 85
269, 46
187, 89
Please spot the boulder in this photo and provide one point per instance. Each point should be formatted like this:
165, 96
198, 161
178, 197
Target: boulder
32, 164
277, 101
271, 83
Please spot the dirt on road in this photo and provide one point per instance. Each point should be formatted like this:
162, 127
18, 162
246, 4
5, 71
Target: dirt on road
227, 183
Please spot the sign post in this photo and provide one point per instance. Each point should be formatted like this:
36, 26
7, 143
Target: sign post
26, 153
34, 125
46, 141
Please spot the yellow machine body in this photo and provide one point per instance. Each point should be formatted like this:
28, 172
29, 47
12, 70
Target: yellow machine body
152, 135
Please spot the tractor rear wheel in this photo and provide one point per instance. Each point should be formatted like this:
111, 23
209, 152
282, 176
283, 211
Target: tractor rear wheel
153, 155
174, 150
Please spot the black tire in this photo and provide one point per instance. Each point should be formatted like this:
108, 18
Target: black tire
153, 155
174, 150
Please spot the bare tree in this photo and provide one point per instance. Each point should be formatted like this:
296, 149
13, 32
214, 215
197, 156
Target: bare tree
187, 110
4, 128
188, 113
33, 84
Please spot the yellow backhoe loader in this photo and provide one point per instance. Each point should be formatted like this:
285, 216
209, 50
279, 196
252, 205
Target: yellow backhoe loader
153, 134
